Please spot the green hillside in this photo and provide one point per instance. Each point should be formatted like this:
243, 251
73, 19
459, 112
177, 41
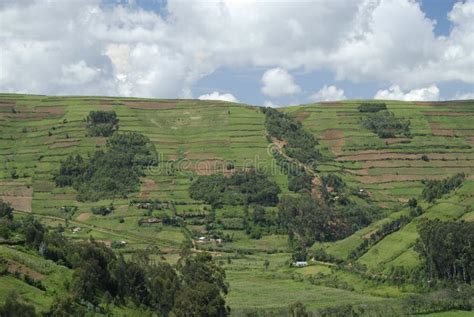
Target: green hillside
194, 139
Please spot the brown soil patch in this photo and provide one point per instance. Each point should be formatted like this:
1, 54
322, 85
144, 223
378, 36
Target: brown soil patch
396, 140
302, 115
395, 178
63, 144
470, 139
147, 105
100, 141
437, 130
20, 198
50, 110
316, 186
335, 140
469, 218
448, 113
84, 216
148, 186
24, 270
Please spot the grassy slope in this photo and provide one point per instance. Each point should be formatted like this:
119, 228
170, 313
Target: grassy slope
41, 131
392, 170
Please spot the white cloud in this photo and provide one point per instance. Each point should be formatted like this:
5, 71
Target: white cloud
218, 96
126, 50
430, 93
278, 82
465, 96
328, 93
268, 103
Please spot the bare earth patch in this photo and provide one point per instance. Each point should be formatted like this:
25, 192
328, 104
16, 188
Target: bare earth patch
20, 198
147, 105
335, 140
148, 186
24, 270
84, 216
437, 130
302, 115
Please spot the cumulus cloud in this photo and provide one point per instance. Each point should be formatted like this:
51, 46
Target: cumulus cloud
278, 82
125, 50
430, 93
218, 96
328, 93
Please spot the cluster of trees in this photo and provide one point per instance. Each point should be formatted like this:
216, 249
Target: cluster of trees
436, 188
241, 188
447, 249
109, 173
309, 219
102, 123
195, 287
103, 210
386, 125
299, 142
372, 107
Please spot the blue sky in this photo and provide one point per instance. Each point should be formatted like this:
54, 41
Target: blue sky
273, 53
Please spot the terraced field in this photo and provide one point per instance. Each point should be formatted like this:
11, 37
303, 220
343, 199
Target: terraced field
203, 137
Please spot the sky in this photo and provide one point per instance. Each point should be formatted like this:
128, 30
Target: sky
272, 53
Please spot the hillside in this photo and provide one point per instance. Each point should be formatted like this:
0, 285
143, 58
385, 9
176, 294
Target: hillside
196, 138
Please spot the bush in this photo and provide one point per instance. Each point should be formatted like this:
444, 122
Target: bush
102, 123
372, 107
239, 189
386, 125
436, 188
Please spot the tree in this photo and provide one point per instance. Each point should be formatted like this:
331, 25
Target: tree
6, 211
13, 307
203, 287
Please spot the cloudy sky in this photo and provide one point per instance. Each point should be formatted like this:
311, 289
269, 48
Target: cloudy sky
271, 53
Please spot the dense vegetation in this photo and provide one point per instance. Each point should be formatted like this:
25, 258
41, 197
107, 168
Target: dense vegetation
109, 173
195, 287
436, 188
299, 143
102, 123
386, 125
447, 249
372, 107
310, 219
241, 188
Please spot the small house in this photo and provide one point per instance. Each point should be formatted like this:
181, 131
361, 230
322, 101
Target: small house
300, 264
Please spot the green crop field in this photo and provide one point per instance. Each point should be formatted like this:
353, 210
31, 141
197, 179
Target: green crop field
195, 138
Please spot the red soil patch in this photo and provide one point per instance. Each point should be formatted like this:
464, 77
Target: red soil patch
335, 140
437, 130
24, 270
147, 105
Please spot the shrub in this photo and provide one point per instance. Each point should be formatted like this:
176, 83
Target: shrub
386, 125
102, 123
372, 107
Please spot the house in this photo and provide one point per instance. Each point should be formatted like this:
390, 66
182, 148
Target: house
300, 263
76, 229
202, 239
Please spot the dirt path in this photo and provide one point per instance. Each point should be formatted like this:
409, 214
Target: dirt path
316, 182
